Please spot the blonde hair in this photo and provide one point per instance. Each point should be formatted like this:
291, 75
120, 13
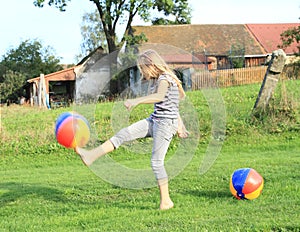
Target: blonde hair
152, 65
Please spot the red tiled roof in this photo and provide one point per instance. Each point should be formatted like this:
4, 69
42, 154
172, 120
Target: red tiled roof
268, 35
215, 39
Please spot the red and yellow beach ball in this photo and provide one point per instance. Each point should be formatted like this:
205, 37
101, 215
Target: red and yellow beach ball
72, 130
246, 183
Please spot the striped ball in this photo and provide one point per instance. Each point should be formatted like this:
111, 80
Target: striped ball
246, 183
72, 130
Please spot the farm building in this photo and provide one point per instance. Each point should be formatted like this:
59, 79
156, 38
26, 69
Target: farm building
62, 88
210, 47
58, 88
217, 46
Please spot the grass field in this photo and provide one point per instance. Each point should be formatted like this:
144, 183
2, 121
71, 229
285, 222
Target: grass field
45, 187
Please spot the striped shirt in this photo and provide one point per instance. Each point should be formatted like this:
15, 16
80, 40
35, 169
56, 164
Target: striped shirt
169, 107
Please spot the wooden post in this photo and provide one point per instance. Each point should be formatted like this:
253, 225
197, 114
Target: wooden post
34, 93
43, 90
31, 94
39, 92
270, 81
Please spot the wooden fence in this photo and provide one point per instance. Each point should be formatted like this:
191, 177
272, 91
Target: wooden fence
228, 77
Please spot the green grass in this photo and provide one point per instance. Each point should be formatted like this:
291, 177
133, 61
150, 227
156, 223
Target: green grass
45, 187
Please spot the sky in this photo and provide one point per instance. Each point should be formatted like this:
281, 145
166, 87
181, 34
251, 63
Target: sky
21, 20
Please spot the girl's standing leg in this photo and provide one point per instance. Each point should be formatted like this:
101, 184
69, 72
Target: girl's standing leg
163, 131
165, 200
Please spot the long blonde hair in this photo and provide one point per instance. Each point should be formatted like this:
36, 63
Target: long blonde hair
152, 65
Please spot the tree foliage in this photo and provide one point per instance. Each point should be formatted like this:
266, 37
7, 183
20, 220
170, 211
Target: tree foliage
11, 87
290, 36
114, 12
236, 56
92, 34
28, 60
179, 11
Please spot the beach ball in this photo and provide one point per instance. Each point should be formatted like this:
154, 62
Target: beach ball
72, 130
246, 183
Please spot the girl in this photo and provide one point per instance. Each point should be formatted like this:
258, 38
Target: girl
161, 125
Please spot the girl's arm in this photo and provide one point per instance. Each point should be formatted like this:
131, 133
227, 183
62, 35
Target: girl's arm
150, 99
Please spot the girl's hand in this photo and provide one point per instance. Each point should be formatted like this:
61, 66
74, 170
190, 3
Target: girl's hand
129, 104
182, 131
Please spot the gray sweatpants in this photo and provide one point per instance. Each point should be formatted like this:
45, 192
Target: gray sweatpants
160, 129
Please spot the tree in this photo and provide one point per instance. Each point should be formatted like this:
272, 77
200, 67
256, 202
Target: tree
180, 11
92, 34
290, 36
11, 87
28, 60
236, 56
114, 12
31, 59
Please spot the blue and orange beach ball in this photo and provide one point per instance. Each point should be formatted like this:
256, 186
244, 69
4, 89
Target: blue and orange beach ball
72, 130
246, 183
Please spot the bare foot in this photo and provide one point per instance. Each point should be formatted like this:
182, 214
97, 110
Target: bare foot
86, 156
89, 156
166, 205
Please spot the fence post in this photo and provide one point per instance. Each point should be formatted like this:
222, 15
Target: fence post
270, 81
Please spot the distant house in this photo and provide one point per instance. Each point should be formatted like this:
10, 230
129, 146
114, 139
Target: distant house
59, 87
217, 45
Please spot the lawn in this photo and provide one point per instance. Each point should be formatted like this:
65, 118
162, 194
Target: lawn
45, 187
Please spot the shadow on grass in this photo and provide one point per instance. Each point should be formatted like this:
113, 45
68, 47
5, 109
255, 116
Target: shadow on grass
208, 193
11, 192
14, 191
